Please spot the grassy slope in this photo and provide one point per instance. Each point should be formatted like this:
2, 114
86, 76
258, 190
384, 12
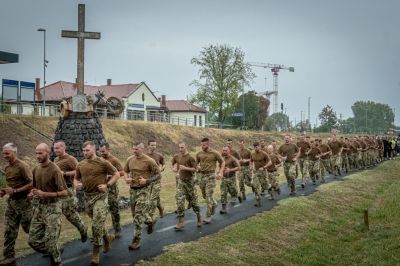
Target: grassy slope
325, 228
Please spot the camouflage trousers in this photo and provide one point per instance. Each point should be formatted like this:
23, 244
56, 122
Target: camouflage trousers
336, 164
69, 209
289, 168
45, 228
228, 185
140, 206
258, 175
303, 169
113, 207
18, 212
96, 205
151, 214
207, 187
244, 177
314, 170
273, 179
186, 191
263, 179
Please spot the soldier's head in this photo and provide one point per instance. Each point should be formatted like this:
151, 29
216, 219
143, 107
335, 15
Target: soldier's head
182, 148
301, 137
59, 148
151, 145
273, 143
10, 152
225, 151
241, 144
333, 137
104, 150
138, 148
229, 143
287, 139
89, 149
262, 143
270, 149
205, 143
42, 152
257, 146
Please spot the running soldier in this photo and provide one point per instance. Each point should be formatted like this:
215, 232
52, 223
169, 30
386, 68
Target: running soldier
18, 209
67, 165
141, 173
273, 175
245, 172
314, 161
289, 153
303, 159
259, 163
185, 166
228, 183
325, 163
113, 191
336, 159
93, 172
206, 160
48, 187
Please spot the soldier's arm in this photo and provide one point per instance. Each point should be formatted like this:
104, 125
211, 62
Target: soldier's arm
26, 187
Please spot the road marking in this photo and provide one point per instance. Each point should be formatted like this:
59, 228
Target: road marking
172, 227
237, 205
76, 258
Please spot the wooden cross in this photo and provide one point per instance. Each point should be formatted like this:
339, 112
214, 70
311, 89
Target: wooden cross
81, 35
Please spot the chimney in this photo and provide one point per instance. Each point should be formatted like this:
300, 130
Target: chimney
163, 101
109, 82
38, 95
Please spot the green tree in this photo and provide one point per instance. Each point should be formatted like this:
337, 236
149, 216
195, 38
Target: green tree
277, 122
222, 75
251, 108
328, 119
371, 117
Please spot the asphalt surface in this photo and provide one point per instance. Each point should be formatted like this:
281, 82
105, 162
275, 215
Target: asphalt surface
77, 253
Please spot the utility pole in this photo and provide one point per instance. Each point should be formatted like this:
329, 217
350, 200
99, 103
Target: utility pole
309, 107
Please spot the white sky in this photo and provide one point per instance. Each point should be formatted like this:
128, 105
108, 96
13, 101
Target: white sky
343, 51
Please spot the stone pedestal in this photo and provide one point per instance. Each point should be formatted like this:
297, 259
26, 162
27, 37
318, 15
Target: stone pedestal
78, 128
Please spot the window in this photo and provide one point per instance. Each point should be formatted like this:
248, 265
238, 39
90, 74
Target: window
200, 121
195, 120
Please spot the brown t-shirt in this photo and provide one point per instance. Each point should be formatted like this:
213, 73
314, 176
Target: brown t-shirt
275, 161
67, 163
313, 153
230, 162
141, 166
260, 159
208, 160
245, 154
185, 160
115, 162
288, 150
324, 148
18, 175
235, 154
48, 178
157, 157
305, 146
353, 147
335, 147
93, 172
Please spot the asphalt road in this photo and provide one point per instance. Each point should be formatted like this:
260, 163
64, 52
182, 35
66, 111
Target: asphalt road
77, 253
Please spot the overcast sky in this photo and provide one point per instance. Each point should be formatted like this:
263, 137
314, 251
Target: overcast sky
342, 51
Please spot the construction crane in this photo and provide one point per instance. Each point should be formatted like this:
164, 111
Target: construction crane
275, 70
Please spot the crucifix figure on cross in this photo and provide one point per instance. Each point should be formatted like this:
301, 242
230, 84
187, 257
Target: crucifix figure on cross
81, 35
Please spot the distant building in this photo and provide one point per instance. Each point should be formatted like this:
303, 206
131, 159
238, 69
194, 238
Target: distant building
181, 112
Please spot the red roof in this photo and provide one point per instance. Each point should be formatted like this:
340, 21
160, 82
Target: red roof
183, 106
62, 89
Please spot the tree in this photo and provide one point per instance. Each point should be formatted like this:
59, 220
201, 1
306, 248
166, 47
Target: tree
251, 108
277, 122
328, 119
371, 117
223, 73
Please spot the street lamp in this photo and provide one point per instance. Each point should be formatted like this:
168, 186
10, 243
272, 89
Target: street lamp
44, 70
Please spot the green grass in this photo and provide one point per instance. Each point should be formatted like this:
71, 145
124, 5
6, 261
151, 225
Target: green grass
325, 228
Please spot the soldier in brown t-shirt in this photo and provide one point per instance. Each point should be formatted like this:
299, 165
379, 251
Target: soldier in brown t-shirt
48, 187
228, 183
94, 174
259, 163
314, 156
272, 170
206, 160
304, 147
289, 153
244, 172
18, 209
155, 193
325, 164
67, 165
141, 172
336, 158
185, 166
233, 152
113, 205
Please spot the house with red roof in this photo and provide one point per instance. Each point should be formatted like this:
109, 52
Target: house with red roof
182, 112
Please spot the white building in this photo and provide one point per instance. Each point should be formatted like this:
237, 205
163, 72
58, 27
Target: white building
181, 112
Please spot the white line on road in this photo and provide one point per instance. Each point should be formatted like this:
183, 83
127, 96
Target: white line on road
172, 227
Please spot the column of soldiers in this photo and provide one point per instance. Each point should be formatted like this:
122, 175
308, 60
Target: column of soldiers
36, 199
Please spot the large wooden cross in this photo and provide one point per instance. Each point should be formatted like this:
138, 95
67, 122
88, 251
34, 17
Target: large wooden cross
81, 35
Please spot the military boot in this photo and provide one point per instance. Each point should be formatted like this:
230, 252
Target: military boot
199, 220
160, 210
243, 195
95, 260
240, 199
107, 243
135, 244
181, 224
223, 210
258, 203
84, 235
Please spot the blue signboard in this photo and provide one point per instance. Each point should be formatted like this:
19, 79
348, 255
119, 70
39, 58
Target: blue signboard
9, 90
27, 91
135, 105
237, 114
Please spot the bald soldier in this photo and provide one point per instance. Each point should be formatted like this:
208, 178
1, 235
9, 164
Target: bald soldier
141, 173
259, 163
18, 208
207, 160
289, 153
94, 174
48, 187
113, 190
228, 183
67, 165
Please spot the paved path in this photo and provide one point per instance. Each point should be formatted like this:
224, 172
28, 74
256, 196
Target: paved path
77, 253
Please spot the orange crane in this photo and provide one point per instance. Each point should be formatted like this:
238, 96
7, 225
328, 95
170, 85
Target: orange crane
275, 70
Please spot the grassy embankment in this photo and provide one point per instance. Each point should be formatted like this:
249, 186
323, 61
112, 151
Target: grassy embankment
325, 228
